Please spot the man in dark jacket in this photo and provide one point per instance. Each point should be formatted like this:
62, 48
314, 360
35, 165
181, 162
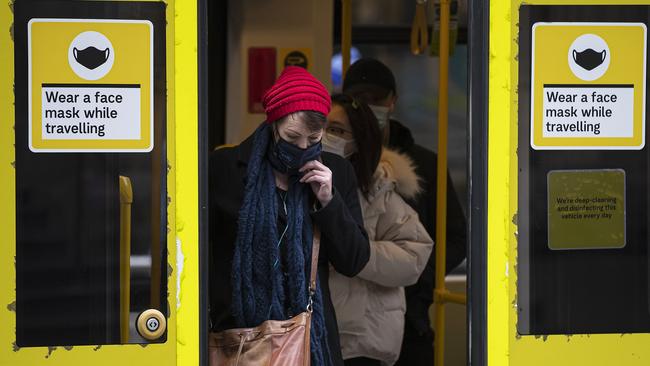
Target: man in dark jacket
372, 82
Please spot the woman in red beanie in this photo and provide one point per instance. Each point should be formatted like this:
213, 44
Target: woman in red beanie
266, 194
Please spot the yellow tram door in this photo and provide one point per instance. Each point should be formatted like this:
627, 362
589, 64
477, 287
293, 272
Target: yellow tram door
567, 206
99, 257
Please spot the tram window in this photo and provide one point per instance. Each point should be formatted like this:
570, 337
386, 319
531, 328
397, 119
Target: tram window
563, 290
70, 225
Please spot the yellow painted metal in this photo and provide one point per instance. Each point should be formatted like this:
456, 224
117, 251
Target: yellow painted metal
126, 200
7, 189
441, 192
419, 28
154, 226
346, 33
185, 169
445, 296
501, 199
181, 347
505, 346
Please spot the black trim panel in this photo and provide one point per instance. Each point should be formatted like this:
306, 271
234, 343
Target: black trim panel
203, 137
477, 183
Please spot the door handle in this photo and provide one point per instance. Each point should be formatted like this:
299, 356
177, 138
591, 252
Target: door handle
126, 200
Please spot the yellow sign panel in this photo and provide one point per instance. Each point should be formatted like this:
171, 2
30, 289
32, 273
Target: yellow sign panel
294, 57
90, 85
588, 86
586, 209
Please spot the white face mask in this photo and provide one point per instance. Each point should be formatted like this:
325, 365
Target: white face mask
338, 145
382, 114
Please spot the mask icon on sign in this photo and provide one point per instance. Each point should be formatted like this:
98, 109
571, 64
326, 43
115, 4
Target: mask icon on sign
589, 59
91, 57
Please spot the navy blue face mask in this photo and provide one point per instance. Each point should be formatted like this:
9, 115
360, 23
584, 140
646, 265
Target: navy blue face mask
288, 158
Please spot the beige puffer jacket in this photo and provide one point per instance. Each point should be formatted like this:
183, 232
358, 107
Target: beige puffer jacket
370, 307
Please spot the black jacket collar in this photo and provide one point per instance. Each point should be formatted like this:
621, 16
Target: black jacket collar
245, 149
400, 136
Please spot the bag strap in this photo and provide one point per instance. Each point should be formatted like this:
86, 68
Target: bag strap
315, 249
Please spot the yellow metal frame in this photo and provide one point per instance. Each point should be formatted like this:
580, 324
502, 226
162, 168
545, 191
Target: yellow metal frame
420, 28
441, 295
441, 191
126, 202
505, 346
182, 346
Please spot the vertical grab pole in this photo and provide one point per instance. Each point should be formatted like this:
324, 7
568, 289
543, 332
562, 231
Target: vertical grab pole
441, 192
126, 199
346, 34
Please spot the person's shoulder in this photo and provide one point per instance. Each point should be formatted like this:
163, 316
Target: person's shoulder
225, 151
224, 155
423, 152
401, 139
341, 168
399, 170
234, 152
334, 161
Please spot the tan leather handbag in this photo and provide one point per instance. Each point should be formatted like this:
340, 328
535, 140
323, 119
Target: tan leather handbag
274, 342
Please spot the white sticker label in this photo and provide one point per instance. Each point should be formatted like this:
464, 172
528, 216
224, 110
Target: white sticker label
588, 112
97, 113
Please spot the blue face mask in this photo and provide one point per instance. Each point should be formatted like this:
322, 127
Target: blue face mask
287, 158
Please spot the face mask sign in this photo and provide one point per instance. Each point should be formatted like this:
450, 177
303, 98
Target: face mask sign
382, 114
91, 57
288, 158
589, 59
338, 145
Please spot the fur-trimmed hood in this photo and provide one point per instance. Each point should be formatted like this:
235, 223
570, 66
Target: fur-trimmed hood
398, 169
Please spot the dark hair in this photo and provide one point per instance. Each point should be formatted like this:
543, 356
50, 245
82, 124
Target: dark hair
369, 93
370, 80
315, 120
367, 136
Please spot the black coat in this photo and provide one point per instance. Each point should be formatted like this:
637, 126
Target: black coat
420, 296
344, 242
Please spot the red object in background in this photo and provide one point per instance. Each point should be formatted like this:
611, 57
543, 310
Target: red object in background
261, 75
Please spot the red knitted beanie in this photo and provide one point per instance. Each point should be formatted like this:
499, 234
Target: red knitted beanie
295, 90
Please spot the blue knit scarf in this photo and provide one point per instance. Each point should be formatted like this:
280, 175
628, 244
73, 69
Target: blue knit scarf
258, 282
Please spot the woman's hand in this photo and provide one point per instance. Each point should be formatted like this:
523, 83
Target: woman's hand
320, 178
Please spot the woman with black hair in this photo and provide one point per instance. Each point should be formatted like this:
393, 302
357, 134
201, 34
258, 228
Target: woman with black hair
370, 307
